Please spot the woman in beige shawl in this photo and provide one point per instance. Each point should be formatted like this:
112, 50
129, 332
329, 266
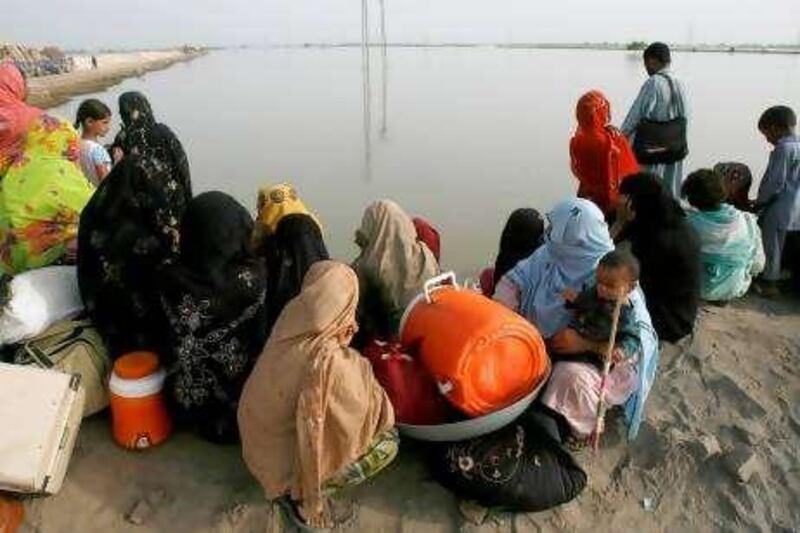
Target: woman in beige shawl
392, 268
312, 416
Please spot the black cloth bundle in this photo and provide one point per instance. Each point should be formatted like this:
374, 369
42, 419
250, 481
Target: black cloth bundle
522, 467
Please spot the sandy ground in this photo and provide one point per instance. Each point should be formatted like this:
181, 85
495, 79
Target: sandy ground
51, 91
718, 452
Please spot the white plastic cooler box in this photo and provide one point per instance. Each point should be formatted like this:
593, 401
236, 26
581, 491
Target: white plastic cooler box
40, 414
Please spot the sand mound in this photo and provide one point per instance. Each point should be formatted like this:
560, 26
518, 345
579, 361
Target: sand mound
719, 451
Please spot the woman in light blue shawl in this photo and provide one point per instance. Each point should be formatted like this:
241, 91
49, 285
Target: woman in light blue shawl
575, 241
731, 250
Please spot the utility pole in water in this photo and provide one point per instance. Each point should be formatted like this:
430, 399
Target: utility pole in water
366, 95
384, 70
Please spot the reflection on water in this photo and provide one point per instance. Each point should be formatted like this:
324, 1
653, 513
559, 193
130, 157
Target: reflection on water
384, 72
366, 91
475, 133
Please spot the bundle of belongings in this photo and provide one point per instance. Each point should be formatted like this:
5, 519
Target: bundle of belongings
54, 370
464, 376
522, 467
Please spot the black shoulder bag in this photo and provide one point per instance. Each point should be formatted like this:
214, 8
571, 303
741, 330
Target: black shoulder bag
664, 142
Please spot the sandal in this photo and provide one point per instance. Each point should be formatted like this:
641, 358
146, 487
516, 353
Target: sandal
292, 513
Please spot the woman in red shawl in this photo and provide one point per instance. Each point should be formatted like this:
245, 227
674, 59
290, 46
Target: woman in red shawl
429, 235
601, 155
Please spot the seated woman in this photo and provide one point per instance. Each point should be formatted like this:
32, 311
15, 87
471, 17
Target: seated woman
392, 268
575, 241
213, 296
522, 235
313, 418
141, 135
730, 240
290, 238
42, 187
601, 155
128, 231
737, 179
667, 248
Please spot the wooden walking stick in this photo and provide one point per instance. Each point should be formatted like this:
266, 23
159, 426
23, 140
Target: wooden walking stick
601, 404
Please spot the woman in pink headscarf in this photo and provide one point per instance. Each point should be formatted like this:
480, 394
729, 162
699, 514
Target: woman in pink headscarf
42, 187
15, 114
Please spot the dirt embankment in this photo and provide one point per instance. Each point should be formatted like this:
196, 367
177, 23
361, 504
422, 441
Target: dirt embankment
51, 91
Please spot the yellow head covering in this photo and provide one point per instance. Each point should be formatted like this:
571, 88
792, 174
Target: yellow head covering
275, 203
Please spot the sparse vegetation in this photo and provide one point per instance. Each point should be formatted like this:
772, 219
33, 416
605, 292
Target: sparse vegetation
636, 45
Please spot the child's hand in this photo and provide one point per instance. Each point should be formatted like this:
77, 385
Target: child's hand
569, 295
625, 212
618, 355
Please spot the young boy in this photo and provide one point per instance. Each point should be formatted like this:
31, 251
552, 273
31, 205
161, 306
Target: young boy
779, 193
593, 309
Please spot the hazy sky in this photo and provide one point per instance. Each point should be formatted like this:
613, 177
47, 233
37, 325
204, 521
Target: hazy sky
113, 23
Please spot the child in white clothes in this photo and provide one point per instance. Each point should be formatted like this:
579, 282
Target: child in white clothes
94, 121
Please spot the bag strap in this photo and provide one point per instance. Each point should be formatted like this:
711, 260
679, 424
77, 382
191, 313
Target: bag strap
672, 98
38, 355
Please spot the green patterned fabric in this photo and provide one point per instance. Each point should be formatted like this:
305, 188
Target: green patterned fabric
42, 193
379, 456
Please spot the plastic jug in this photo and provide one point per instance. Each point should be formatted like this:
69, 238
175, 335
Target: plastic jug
139, 416
483, 356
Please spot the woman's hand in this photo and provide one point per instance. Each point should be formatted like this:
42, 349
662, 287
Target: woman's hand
618, 355
117, 154
625, 212
569, 342
569, 295
625, 215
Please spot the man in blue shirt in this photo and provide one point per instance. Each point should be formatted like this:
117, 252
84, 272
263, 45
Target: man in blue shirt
661, 101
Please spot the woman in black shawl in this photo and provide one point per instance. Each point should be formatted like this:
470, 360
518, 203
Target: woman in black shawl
296, 245
288, 235
669, 252
130, 228
213, 297
127, 231
141, 135
522, 235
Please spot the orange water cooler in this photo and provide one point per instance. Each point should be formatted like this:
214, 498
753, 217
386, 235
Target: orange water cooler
483, 356
139, 416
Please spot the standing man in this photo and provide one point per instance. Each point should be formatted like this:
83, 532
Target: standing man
660, 107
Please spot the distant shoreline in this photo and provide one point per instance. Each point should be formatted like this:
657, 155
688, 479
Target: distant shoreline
54, 90
621, 47
113, 68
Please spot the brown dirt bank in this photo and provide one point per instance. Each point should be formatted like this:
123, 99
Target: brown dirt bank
52, 91
719, 451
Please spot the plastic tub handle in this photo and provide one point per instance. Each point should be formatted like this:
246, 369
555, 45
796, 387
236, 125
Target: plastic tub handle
438, 282
445, 387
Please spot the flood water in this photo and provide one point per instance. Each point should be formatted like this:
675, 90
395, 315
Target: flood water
463, 136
